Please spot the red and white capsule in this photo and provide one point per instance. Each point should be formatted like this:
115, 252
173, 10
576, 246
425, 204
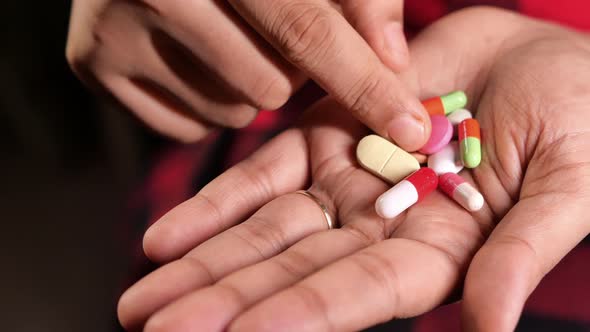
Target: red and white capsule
461, 191
406, 193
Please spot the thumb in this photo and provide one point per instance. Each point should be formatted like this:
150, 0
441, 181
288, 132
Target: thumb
380, 23
444, 60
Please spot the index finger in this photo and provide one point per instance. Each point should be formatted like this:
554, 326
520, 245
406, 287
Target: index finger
317, 39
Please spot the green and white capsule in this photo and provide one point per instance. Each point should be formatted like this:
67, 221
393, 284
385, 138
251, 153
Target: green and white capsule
470, 142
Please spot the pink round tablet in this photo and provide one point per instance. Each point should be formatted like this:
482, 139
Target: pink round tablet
442, 132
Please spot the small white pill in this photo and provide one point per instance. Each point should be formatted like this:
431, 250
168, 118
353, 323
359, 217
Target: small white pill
447, 160
458, 116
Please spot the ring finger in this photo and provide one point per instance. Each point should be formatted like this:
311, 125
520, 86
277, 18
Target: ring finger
276, 226
213, 308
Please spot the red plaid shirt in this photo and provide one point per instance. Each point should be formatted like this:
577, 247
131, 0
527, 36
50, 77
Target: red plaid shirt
562, 300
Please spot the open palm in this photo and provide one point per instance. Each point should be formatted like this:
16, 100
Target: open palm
247, 254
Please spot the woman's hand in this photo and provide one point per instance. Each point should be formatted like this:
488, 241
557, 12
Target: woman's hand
280, 269
184, 66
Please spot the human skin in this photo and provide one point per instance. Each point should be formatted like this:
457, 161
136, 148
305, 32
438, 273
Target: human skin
279, 269
185, 67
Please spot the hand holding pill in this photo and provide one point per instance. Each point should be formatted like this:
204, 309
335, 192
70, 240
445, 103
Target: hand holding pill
248, 254
392, 164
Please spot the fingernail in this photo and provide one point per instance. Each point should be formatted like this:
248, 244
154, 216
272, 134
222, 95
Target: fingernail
407, 132
395, 41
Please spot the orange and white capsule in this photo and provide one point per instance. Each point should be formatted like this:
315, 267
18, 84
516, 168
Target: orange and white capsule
461, 191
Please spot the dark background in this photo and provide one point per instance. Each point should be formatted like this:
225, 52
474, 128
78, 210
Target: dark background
68, 163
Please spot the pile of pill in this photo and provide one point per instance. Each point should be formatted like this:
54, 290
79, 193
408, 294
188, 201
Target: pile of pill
411, 183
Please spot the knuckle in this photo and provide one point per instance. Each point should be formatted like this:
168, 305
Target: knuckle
93, 51
82, 56
271, 233
304, 31
296, 264
365, 93
91, 67
516, 243
523, 253
234, 292
382, 272
74, 57
261, 235
315, 302
365, 235
257, 176
78, 64
203, 204
199, 268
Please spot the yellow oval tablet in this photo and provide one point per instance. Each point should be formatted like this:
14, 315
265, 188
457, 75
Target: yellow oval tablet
384, 159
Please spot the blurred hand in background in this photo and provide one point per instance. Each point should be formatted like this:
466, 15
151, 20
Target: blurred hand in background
186, 66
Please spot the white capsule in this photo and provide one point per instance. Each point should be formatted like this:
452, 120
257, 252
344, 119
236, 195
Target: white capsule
458, 116
447, 160
461, 192
468, 197
396, 200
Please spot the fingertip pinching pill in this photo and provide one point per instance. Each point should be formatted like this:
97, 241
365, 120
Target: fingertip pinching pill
406, 193
446, 160
445, 104
440, 135
384, 159
461, 191
470, 143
